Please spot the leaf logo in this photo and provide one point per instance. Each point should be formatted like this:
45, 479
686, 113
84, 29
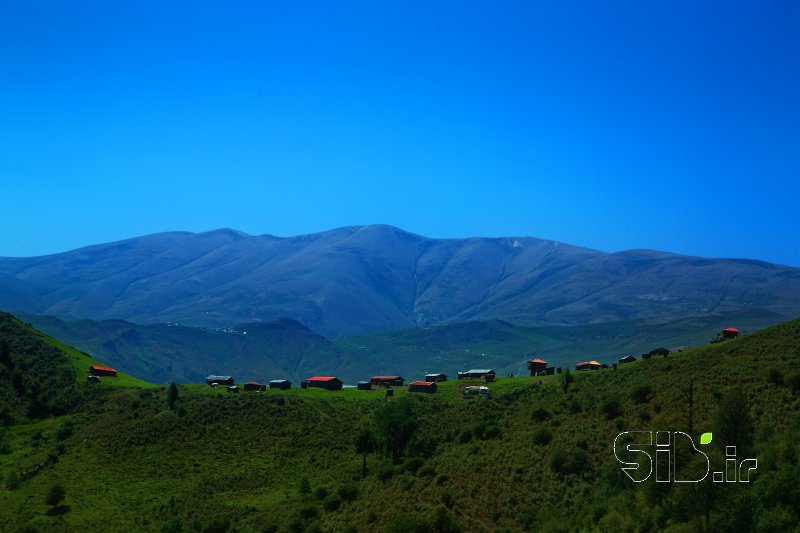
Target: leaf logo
705, 438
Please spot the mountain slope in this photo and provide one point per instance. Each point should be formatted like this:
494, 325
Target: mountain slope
162, 353
532, 458
374, 278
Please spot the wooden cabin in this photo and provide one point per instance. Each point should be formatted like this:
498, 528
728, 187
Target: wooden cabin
659, 351
387, 381
485, 374
588, 365
364, 385
422, 386
220, 380
627, 359
435, 378
97, 370
282, 384
233, 388
536, 366
253, 386
324, 382
730, 333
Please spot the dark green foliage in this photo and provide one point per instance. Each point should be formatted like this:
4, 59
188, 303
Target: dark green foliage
366, 442
540, 414
642, 394
566, 380
305, 486
55, 495
733, 425
775, 377
348, 493
611, 408
574, 461
408, 523
794, 382
396, 425
542, 437
332, 502
172, 395
36, 380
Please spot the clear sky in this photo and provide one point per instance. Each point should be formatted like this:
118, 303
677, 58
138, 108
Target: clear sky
612, 125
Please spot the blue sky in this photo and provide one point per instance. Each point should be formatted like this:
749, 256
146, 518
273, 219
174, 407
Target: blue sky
613, 125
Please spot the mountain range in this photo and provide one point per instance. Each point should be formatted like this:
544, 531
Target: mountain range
363, 279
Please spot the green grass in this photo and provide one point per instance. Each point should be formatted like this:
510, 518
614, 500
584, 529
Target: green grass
132, 464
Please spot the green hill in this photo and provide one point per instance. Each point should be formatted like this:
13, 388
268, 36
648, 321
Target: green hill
536, 456
284, 348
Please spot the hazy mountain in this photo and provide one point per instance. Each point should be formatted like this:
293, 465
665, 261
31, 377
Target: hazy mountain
373, 278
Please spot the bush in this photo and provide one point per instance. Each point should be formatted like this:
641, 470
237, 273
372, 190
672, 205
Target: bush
55, 495
775, 377
348, 493
321, 493
540, 415
574, 462
308, 511
642, 394
386, 473
332, 503
412, 464
794, 383
408, 523
611, 409
542, 437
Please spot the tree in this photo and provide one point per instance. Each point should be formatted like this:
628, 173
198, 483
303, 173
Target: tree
396, 426
733, 425
55, 495
365, 444
688, 393
172, 395
566, 380
5, 353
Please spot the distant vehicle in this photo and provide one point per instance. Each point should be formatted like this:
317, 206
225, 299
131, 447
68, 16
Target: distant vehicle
476, 392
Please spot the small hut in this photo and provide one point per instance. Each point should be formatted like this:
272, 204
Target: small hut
422, 386
730, 333
435, 378
364, 385
97, 370
588, 365
659, 351
387, 381
220, 380
485, 374
253, 386
627, 359
324, 382
93, 379
282, 384
536, 366
233, 388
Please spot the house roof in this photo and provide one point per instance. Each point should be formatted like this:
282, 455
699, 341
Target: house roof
279, 381
253, 383
538, 361
479, 371
436, 374
731, 330
218, 377
589, 363
322, 378
105, 368
388, 377
422, 383
595, 363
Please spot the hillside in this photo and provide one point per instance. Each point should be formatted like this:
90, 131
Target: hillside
534, 457
363, 279
162, 353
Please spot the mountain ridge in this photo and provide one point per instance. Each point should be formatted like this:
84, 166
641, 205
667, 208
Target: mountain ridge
359, 279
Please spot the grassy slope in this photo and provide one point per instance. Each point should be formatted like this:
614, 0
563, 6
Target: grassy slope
132, 464
162, 353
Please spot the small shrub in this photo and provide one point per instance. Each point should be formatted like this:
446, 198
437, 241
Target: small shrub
320, 493
308, 512
332, 502
412, 464
642, 394
386, 473
540, 415
542, 437
775, 377
611, 409
348, 493
794, 383
55, 495
305, 486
